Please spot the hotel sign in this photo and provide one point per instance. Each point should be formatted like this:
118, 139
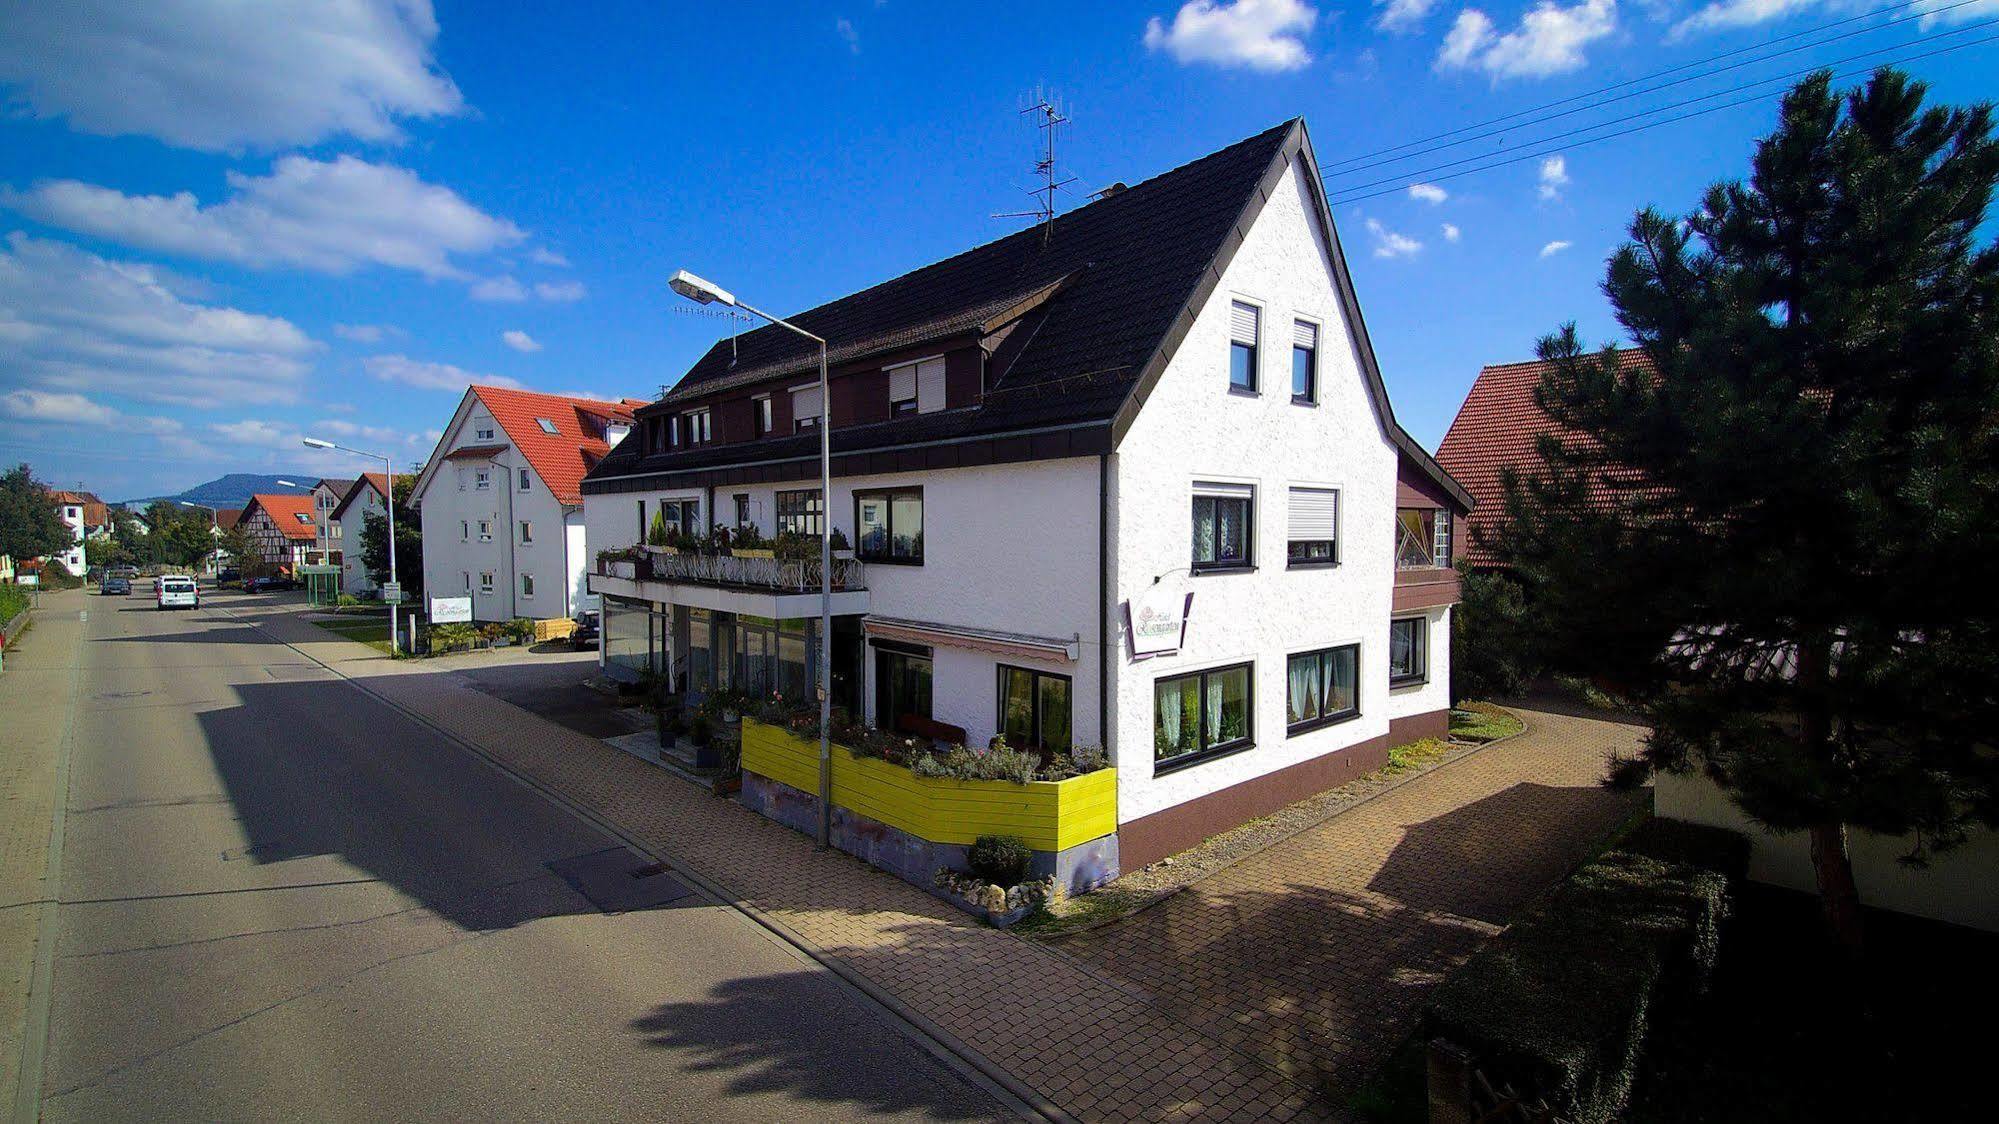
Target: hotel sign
1156, 621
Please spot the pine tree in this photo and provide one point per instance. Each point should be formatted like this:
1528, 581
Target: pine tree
1776, 539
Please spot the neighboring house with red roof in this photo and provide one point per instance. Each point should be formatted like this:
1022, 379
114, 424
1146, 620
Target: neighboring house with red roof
84, 514
366, 496
282, 528
1496, 429
327, 547
501, 500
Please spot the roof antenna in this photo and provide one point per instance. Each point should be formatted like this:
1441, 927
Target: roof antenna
1052, 117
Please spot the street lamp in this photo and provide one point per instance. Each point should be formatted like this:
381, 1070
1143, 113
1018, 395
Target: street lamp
389, 470
707, 292
214, 526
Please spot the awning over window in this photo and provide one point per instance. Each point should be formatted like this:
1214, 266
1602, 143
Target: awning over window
1015, 644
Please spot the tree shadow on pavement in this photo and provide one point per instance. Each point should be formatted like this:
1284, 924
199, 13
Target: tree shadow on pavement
749, 1028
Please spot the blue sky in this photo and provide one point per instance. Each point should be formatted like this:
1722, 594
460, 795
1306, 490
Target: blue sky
221, 230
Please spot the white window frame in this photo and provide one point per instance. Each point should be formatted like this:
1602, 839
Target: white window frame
527, 586
464, 530
527, 480
1255, 346
1339, 523
527, 532
482, 434
485, 530
485, 581
482, 479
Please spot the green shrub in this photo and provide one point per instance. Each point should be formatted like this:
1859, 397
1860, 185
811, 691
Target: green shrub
1559, 1004
1003, 860
13, 599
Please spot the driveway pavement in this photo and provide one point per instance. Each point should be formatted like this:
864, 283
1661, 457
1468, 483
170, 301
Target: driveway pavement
1315, 955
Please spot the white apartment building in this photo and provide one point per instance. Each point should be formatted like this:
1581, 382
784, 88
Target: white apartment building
1133, 480
501, 511
327, 545
367, 496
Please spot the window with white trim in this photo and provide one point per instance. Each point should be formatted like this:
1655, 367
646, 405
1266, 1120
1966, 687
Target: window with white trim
527, 585
1224, 526
485, 530
527, 532
482, 479
1245, 321
483, 433
527, 481
765, 414
485, 581
466, 576
1313, 527
464, 530
698, 430
902, 389
1304, 361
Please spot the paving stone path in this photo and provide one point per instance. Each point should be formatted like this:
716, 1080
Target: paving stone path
1258, 994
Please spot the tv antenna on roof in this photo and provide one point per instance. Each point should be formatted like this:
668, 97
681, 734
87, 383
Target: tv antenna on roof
1052, 117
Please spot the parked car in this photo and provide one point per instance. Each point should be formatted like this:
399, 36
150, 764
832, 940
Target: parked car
228, 576
115, 587
269, 583
585, 635
178, 591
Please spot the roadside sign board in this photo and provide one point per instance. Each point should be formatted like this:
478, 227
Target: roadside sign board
392, 592
28, 579
1156, 621
450, 610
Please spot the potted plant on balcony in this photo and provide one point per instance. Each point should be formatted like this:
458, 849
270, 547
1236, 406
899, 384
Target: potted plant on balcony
842, 549
659, 539
748, 542
619, 563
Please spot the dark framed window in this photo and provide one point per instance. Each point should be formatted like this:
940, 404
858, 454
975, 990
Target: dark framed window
1304, 361
1244, 324
1203, 715
1313, 526
682, 516
888, 526
765, 417
1321, 688
698, 430
1408, 650
1224, 526
902, 684
1419, 534
802, 512
1034, 709
742, 509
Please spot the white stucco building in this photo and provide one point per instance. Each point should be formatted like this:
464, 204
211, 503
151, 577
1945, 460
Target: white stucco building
1168, 402
366, 496
502, 516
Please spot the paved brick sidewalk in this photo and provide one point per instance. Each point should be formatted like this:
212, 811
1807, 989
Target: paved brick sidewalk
1112, 1034
1315, 955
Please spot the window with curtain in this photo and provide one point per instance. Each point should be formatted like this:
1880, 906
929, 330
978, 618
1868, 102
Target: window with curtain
1304, 361
1201, 715
1243, 326
1034, 709
1313, 525
801, 512
889, 526
1223, 524
1321, 688
1408, 655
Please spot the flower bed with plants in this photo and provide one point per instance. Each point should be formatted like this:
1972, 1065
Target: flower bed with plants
952, 796
465, 637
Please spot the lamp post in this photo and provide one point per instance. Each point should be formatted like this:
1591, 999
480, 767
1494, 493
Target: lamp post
389, 472
214, 526
707, 292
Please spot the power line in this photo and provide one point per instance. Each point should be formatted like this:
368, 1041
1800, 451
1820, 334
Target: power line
1423, 147
1635, 81
1357, 192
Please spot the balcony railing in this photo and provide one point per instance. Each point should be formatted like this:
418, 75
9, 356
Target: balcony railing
733, 571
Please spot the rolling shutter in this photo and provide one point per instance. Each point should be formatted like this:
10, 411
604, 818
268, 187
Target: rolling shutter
1315, 514
902, 383
1225, 491
929, 386
1242, 322
805, 402
1304, 335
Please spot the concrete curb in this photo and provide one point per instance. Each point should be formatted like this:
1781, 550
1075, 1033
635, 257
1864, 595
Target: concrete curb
941, 1044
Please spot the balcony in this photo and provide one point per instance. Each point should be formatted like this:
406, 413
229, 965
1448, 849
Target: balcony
1424, 578
753, 582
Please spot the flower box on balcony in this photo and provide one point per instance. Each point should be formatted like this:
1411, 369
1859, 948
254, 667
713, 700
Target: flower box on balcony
621, 568
912, 825
752, 552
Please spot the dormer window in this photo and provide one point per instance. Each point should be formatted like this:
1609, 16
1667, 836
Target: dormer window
764, 413
916, 388
805, 408
698, 431
902, 390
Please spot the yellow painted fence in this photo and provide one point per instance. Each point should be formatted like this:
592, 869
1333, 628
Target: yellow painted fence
1049, 815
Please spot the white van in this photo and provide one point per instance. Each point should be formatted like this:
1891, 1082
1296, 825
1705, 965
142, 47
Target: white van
178, 591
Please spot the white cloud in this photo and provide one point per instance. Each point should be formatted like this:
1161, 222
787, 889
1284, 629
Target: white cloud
79, 322
221, 76
844, 28
380, 435
428, 376
1553, 248
563, 291
1389, 244
1260, 34
332, 216
519, 340
1451, 232
501, 288
75, 409
1401, 17
1549, 40
542, 255
1428, 192
368, 333
1934, 14
1727, 14
1553, 176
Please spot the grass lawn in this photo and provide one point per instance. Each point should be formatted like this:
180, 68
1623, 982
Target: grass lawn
372, 631
1483, 722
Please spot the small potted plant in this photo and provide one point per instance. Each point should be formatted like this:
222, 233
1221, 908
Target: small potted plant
748, 542
659, 540
842, 549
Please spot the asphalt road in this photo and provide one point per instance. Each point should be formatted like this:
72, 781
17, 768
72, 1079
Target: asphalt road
284, 900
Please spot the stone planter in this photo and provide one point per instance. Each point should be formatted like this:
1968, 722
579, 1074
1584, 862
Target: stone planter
628, 570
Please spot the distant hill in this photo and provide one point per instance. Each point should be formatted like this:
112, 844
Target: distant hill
234, 490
